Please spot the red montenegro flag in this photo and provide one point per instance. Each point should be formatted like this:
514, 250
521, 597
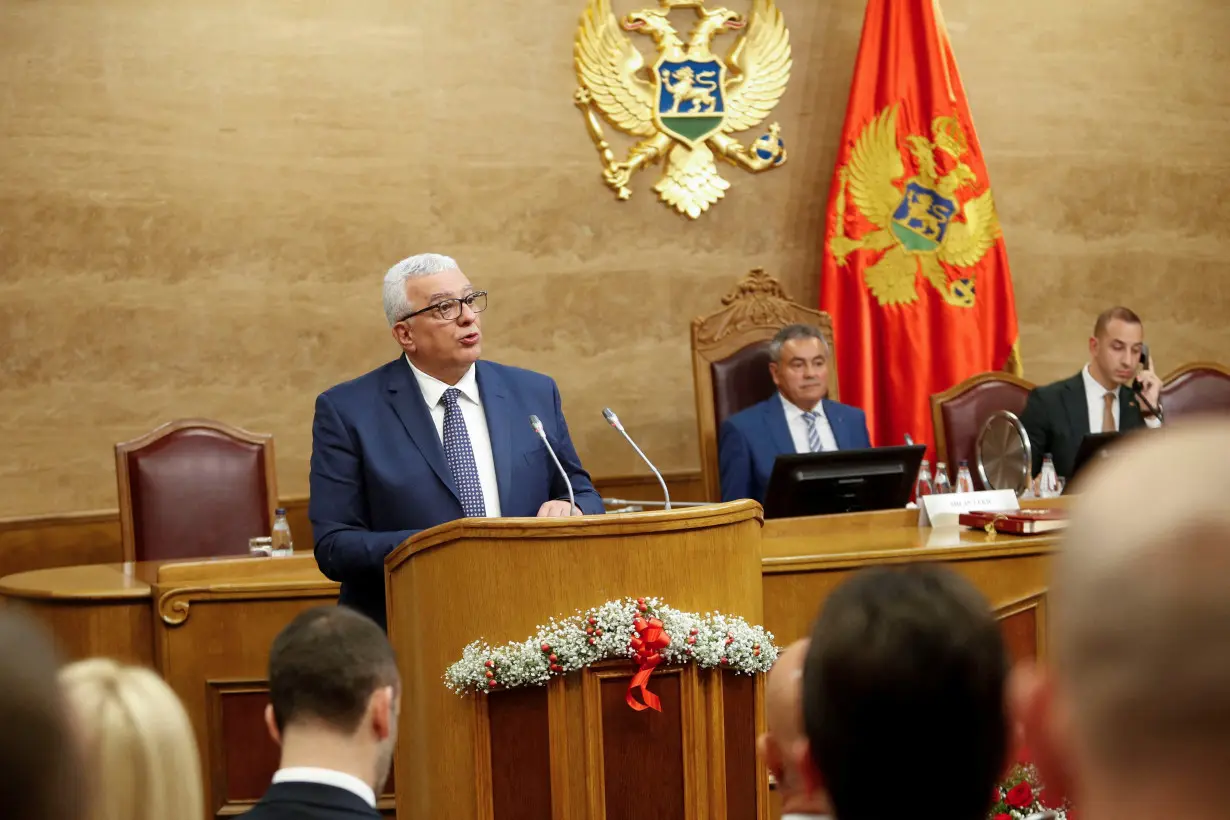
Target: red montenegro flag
915, 271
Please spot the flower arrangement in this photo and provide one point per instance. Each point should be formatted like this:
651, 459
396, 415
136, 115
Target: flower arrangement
1021, 795
640, 629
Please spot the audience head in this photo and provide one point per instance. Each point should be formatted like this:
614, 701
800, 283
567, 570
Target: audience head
443, 341
139, 752
784, 744
334, 694
903, 695
799, 365
1133, 714
1114, 348
38, 754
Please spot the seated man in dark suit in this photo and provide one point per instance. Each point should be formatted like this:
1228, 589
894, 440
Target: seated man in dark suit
796, 419
1099, 399
904, 684
334, 699
432, 436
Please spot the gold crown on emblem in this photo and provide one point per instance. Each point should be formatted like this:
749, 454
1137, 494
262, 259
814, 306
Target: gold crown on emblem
950, 137
681, 4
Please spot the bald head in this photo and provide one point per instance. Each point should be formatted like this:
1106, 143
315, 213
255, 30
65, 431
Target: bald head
1142, 606
783, 694
785, 744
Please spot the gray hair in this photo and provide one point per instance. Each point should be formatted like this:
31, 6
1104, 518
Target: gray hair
396, 304
791, 332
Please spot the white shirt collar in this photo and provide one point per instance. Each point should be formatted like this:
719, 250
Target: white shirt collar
793, 411
805, 817
327, 777
433, 389
1094, 389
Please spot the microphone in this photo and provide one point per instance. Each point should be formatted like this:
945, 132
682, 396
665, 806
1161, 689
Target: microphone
542, 434
909, 440
613, 420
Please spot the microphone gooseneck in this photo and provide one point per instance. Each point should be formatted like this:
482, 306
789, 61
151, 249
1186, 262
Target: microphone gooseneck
613, 420
536, 423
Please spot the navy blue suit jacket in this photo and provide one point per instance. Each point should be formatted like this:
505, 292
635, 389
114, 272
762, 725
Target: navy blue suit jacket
379, 473
752, 439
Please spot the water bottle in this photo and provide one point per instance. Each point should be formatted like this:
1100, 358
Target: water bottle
942, 484
1048, 479
965, 481
923, 485
283, 545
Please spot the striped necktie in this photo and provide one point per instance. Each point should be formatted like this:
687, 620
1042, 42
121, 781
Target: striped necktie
813, 433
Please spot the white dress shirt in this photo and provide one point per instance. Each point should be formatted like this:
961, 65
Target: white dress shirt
1094, 403
805, 817
327, 777
798, 426
471, 405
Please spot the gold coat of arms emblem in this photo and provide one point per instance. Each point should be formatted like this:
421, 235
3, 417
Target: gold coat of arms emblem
684, 108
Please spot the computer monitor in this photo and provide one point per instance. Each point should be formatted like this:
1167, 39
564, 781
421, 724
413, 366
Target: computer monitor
1091, 445
840, 481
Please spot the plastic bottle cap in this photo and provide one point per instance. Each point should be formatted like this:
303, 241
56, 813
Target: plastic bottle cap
964, 463
280, 511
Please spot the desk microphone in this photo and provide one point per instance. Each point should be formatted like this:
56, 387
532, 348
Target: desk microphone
909, 440
613, 420
542, 434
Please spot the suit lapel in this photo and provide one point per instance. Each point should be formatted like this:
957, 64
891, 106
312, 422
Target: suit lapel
775, 420
494, 394
1130, 414
1077, 406
407, 402
833, 413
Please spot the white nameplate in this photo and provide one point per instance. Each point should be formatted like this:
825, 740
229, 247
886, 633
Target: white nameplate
944, 510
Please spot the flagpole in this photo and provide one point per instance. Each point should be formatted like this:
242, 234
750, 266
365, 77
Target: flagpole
941, 33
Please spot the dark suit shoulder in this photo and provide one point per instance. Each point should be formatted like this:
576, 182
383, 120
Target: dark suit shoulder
1055, 389
850, 409
310, 801
370, 381
751, 415
509, 373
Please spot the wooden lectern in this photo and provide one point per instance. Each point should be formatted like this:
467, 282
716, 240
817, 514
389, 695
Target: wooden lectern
573, 749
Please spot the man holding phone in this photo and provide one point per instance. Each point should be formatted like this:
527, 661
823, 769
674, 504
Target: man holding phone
1105, 397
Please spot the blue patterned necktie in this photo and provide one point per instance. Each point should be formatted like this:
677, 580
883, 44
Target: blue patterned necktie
460, 457
813, 434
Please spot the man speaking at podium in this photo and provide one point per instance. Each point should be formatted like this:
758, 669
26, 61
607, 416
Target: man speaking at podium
796, 419
432, 436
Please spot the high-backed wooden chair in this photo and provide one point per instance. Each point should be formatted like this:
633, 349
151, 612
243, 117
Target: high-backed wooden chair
730, 358
194, 488
959, 413
1198, 388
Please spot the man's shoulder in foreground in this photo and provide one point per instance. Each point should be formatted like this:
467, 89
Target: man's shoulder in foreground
309, 801
1056, 388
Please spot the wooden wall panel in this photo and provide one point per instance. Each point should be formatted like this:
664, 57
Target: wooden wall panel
49, 541
520, 754
642, 752
739, 736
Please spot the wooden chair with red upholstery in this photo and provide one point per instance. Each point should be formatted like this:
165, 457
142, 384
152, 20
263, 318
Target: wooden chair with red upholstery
730, 359
194, 488
1198, 388
959, 413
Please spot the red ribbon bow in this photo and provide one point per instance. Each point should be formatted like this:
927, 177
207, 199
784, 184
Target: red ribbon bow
647, 643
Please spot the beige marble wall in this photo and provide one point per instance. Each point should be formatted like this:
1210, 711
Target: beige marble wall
198, 201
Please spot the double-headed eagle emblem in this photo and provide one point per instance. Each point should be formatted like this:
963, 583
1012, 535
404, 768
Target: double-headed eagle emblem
685, 107
916, 224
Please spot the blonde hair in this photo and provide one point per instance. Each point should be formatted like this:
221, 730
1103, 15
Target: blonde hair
139, 749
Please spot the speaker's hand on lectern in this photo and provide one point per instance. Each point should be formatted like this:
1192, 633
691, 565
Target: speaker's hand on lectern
557, 509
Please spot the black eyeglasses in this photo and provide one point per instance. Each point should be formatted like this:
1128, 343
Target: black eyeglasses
450, 309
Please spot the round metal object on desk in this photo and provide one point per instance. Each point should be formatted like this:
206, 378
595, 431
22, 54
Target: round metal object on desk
1003, 453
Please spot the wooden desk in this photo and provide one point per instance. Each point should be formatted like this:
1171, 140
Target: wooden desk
206, 626
804, 559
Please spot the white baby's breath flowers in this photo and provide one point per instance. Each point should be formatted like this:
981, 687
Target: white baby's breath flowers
606, 632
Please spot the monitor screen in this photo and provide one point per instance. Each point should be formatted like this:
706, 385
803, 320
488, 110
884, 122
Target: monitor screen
840, 481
